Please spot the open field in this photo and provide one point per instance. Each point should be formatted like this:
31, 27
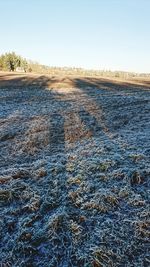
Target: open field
74, 171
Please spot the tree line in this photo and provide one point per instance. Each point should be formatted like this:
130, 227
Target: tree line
11, 61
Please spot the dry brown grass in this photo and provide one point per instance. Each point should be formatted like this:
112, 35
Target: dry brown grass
61, 81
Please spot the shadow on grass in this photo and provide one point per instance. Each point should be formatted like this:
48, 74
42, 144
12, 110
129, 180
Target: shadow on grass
36, 102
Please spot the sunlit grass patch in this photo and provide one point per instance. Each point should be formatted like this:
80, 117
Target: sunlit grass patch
70, 167
41, 172
74, 180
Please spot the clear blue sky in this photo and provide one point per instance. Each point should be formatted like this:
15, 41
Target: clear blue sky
100, 34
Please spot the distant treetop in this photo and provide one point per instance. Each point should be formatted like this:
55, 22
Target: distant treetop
13, 62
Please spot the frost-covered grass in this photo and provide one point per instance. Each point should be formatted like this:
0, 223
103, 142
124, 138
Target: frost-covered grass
74, 175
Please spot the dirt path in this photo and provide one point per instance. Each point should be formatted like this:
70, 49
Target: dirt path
74, 169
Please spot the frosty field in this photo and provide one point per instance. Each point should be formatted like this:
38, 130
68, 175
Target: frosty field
74, 171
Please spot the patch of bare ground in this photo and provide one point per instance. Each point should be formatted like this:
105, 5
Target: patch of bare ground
74, 171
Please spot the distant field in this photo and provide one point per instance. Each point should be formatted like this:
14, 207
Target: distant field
74, 171
19, 79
